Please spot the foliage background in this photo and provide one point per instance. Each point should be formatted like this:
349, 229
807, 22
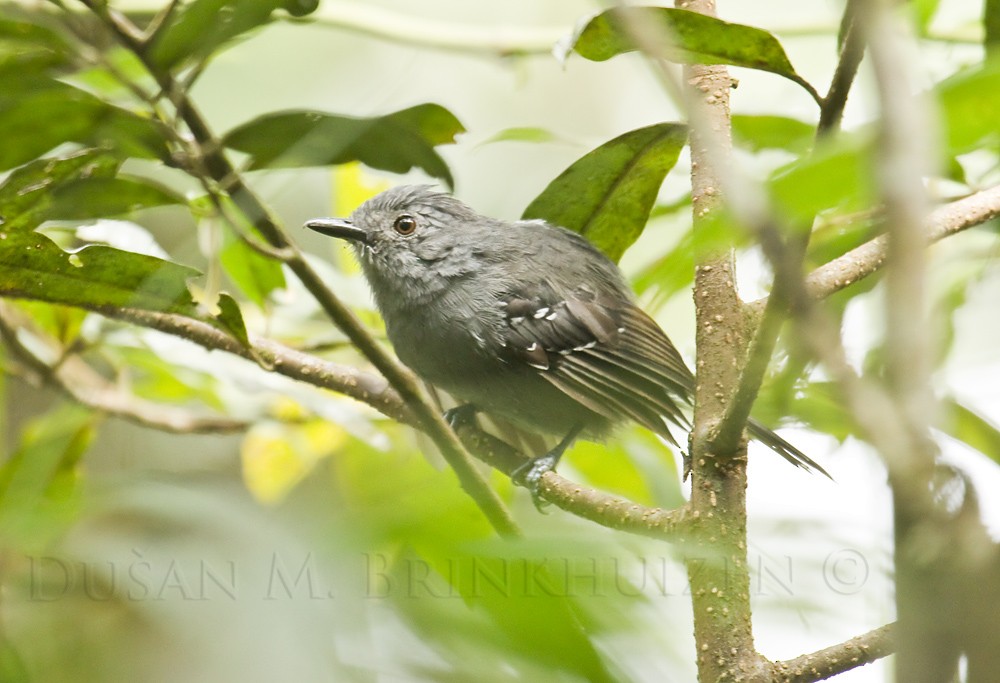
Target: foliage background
319, 543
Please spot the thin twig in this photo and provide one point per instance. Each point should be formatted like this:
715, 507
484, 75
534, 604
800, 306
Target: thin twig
852, 51
75, 378
836, 659
869, 257
413, 30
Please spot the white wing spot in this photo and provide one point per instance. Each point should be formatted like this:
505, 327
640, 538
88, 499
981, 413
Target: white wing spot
541, 312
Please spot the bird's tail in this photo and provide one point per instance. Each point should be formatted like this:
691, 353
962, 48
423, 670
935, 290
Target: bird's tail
786, 450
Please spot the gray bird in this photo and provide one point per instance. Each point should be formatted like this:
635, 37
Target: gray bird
522, 320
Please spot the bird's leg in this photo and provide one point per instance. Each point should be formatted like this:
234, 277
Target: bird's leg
529, 475
458, 416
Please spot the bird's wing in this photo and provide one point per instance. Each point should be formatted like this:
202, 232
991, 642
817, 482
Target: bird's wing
604, 353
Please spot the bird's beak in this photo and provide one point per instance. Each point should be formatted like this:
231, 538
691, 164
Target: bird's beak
340, 228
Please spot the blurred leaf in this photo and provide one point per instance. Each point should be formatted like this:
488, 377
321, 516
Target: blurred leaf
100, 197
991, 27
29, 48
26, 194
836, 175
253, 273
61, 322
395, 142
34, 267
158, 378
686, 37
202, 26
37, 115
607, 194
531, 603
12, 666
277, 456
522, 134
609, 468
970, 103
820, 406
924, 11
757, 133
837, 234
38, 485
971, 428
670, 273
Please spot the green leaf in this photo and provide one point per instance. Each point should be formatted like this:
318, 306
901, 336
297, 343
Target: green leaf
836, 175
254, 274
203, 26
971, 428
33, 267
670, 273
396, 142
607, 194
231, 318
522, 134
26, 194
101, 197
970, 103
685, 37
38, 485
758, 133
37, 115
30, 48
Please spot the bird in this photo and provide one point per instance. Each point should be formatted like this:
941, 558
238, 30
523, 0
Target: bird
522, 320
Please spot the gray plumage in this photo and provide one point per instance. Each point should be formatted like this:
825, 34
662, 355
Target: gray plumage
521, 319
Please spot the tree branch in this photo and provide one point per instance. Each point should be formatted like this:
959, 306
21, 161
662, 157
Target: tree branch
836, 659
72, 376
870, 257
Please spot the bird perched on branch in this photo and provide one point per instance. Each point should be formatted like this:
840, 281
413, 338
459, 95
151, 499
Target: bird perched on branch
522, 320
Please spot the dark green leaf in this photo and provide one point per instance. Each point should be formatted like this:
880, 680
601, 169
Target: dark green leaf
773, 132
101, 197
26, 194
39, 114
991, 26
396, 142
970, 103
33, 267
686, 37
231, 318
30, 48
198, 30
607, 194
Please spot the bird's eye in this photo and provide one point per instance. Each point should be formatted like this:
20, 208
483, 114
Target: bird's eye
405, 224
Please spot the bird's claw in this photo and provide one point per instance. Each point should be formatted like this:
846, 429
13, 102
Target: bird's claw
529, 475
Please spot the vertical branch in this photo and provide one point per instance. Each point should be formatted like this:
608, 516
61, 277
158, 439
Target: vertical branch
716, 559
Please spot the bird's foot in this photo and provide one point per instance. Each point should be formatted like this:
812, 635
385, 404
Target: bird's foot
529, 475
